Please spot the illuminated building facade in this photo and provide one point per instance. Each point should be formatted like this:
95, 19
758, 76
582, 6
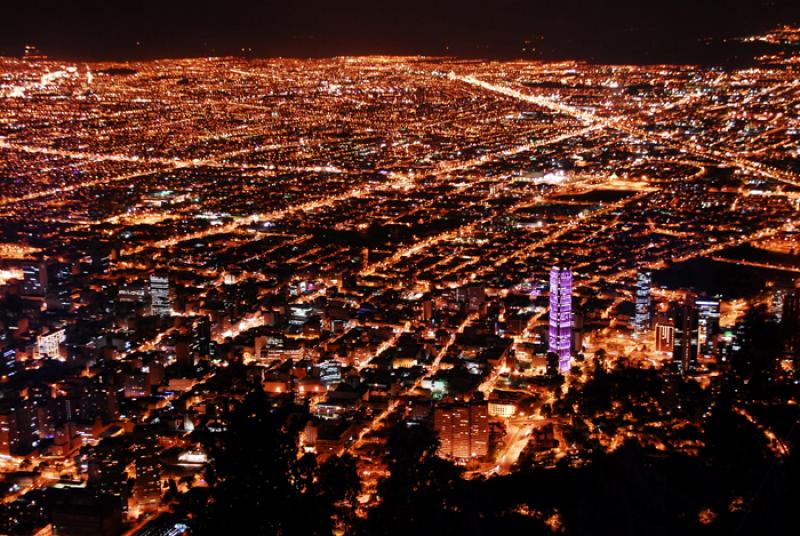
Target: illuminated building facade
641, 321
9, 435
147, 485
8, 356
330, 372
684, 353
48, 345
160, 295
560, 342
707, 326
665, 335
463, 430
8, 361
790, 322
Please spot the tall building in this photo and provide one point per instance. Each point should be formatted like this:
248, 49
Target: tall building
184, 356
48, 345
82, 511
641, 320
27, 424
34, 282
8, 355
19, 430
9, 435
776, 303
790, 322
684, 353
201, 339
665, 334
160, 303
107, 470
560, 341
427, 310
577, 331
147, 486
463, 429
476, 296
707, 325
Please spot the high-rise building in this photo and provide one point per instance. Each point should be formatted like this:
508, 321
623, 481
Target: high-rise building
684, 353
34, 282
476, 296
107, 470
19, 431
560, 341
790, 322
48, 345
160, 302
427, 310
708, 325
776, 303
201, 340
665, 334
641, 320
83, 511
463, 429
8, 355
184, 357
9, 435
577, 331
147, 486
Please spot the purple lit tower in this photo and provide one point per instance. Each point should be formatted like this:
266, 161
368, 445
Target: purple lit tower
561, 316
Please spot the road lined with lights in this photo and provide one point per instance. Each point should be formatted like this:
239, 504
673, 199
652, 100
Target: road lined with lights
622, 125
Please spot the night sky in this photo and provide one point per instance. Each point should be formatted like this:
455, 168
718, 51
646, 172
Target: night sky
612, 30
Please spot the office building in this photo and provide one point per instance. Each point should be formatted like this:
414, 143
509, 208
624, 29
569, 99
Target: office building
708, 325
147, 485
83, 512
160, 301
560, 341
48, 345
9, 435
790, 322
8, 355
463, 430
665, 334
685, 350
641, 320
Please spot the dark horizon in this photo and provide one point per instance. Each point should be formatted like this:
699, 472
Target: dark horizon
621, 31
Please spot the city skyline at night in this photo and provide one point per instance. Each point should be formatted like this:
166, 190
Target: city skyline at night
458, 268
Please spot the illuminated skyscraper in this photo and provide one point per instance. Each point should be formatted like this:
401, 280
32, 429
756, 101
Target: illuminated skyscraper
560, 341
684, 354
708, 325
790, 322
641, 321
159, 295
665, 334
